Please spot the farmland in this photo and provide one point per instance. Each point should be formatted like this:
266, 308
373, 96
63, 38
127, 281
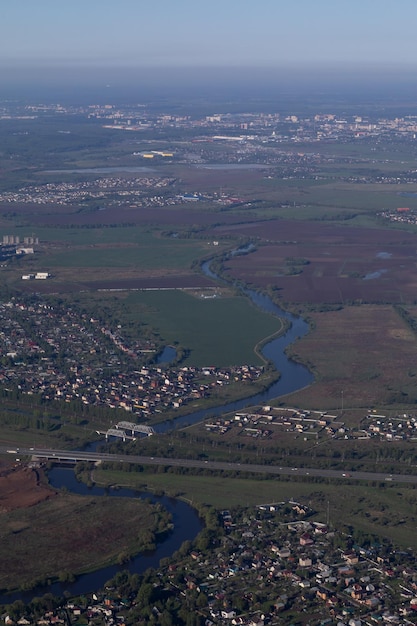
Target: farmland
207, 326
318, 243
109, 222
124, 248
103, 526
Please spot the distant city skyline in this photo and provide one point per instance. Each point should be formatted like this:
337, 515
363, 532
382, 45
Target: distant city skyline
190, 33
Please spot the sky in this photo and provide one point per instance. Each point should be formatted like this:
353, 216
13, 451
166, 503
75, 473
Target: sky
207, 33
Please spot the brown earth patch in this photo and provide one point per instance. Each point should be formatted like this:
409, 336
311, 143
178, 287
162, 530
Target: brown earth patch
20, 487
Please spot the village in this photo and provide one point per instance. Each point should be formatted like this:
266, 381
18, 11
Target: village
270, 422
55, 353
41, 346
272, 564
114, 191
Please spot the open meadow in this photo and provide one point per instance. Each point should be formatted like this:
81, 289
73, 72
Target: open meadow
320, 263
367, 352
220, 331
389, 512
107, 219
38, 530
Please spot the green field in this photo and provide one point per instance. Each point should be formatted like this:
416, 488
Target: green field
140, 235
218, 331
131, 234
120, 247
389, 512
154, 255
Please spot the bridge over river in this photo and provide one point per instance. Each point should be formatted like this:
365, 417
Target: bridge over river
121, 427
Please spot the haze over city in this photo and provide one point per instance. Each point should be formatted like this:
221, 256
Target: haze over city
97, 43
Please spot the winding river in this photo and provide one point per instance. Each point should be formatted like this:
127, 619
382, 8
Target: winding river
294, 376
187, 525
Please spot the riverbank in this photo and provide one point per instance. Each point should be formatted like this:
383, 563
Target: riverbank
291, 376
185, 521
349, 505
107, 531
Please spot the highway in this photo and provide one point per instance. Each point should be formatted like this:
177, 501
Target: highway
76, 455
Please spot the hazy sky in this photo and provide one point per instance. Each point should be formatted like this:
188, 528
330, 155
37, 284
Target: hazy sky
207, 32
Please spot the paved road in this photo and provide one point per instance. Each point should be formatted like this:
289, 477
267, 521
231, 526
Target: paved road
65, 455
